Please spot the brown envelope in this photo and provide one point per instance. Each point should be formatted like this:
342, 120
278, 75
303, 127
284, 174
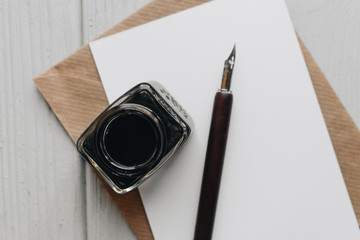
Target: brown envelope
75, 93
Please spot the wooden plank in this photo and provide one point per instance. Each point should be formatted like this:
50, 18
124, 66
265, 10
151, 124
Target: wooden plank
104, 220
41, 176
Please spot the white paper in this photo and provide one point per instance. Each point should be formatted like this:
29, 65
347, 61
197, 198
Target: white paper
281, 178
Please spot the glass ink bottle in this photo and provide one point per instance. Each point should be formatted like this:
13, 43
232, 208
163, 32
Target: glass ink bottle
134, 136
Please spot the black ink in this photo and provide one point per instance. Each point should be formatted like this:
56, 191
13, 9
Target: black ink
131, 139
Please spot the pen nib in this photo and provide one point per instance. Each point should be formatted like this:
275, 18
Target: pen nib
228, 69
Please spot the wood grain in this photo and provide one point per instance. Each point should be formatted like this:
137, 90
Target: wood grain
41, 176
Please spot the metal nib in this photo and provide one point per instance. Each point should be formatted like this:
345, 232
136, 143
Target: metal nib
228, 69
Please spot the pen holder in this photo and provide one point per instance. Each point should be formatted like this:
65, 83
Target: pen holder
133, 137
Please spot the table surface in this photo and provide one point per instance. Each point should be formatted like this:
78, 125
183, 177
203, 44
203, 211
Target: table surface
46, 190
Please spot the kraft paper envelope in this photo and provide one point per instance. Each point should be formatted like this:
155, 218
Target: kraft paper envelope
75, 93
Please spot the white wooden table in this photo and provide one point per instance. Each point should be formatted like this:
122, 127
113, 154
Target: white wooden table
46, 190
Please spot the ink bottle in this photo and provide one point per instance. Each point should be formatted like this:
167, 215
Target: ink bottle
134, 136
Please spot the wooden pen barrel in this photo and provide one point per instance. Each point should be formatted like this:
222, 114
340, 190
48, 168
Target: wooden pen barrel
213, 165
